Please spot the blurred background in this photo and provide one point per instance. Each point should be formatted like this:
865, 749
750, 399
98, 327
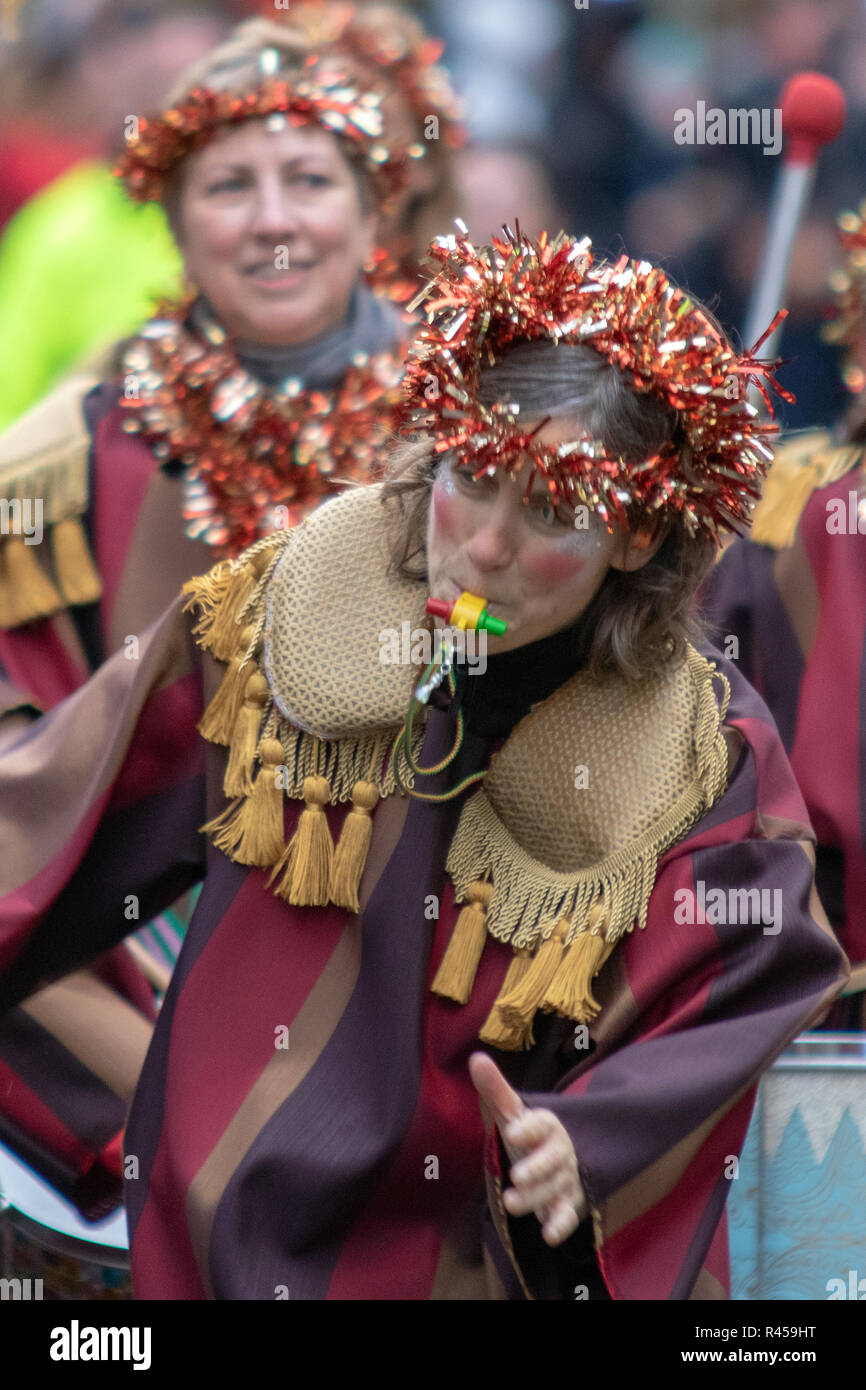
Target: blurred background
570, 107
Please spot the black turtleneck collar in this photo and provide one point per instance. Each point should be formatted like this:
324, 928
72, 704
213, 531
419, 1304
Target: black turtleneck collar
493, 702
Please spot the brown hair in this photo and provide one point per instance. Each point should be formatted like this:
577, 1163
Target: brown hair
638, 622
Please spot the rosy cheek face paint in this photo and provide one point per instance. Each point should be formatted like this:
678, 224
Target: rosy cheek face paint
557, 561
444, 505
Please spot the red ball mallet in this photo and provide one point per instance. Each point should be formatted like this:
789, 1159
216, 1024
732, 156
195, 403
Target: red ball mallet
813, 115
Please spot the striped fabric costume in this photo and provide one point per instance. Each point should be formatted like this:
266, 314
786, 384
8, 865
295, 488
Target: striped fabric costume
305, 1125
793, 597
116, 550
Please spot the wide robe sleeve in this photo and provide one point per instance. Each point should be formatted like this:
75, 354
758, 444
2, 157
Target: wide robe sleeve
100, 804
736, 959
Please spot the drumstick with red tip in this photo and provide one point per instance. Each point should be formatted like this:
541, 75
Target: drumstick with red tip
813, 114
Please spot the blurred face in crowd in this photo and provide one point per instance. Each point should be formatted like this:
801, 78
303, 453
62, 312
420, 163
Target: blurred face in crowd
534, 565
273, 231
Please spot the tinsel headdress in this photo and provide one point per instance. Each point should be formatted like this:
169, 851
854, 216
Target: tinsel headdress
324, 92
481, 300
849, 286
399, 49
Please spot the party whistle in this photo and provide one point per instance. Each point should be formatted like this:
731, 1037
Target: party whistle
467, 611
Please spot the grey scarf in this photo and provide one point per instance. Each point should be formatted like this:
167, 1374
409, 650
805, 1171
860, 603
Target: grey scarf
373, 325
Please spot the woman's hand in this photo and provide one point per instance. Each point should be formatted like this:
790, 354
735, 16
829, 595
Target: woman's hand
544, 1174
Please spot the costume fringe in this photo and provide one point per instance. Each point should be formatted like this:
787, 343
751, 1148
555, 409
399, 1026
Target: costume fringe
306, 863
242, 750
802, 464
250, 830
227, 591
219, 720
494, 1030
31, 588
512, 1014
569, 994
350, 855
76, 573
456, 974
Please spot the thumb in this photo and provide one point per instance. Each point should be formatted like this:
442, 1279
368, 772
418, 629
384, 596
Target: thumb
493, 1089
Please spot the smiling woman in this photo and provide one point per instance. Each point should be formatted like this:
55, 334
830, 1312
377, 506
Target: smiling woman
228, 414
274, 232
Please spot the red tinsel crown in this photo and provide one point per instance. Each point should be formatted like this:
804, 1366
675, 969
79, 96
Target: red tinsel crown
323, 93
410, 61
481, 300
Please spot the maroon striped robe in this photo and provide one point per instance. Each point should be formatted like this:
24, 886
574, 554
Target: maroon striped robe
799, 616
307, 1171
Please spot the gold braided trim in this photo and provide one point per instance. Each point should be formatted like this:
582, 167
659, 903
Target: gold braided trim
270, 758
803, 463
343, 763
44, 462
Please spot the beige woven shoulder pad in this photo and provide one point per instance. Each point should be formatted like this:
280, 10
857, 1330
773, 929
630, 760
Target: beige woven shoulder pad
44, 454
803, 463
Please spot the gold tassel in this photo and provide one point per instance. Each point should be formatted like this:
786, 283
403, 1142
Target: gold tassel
33, 593
217, 724
512, 1014
570, 992
350, 855
207, 592
73, 563
306, 864
495, 1030
456, 974
250, 831
238, 780
224, 631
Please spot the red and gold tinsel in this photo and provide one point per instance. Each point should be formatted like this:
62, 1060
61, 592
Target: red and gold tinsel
480, 300
256, 458
324, 93
409, 59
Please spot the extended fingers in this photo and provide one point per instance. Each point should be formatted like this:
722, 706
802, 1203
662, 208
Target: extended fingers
560, 1221
526, 1197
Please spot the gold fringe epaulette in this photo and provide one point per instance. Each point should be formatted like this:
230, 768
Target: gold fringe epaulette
563, 920
43, 495
271, 758
555, 859
803, 463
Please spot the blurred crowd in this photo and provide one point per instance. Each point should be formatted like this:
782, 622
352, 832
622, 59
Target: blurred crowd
570, 109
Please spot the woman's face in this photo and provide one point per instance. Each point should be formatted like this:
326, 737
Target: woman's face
535, 569
273, 232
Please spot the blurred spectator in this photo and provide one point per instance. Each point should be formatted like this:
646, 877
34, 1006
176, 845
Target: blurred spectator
80, 265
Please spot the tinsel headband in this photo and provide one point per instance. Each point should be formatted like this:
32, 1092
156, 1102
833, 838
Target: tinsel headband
409, 62
849, 285
322, 93
481, 300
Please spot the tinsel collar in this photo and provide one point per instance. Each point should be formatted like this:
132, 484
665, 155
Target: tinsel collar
256, 457
325, 93
481, 300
